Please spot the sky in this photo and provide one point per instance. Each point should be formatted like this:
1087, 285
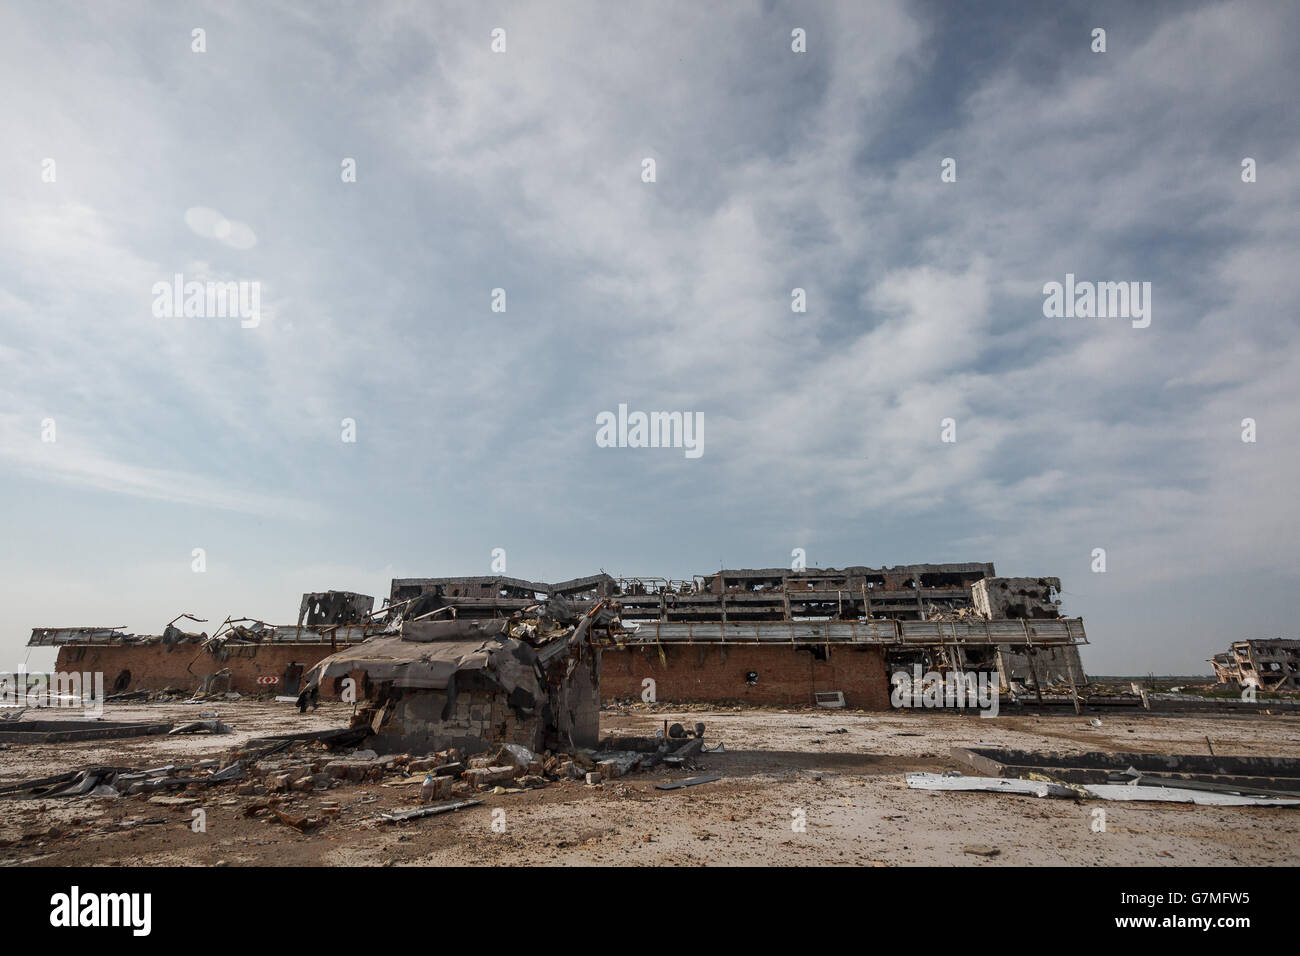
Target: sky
130, 438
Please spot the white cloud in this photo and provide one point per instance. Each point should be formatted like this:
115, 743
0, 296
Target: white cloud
776, 170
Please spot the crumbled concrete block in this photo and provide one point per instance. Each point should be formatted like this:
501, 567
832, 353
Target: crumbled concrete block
618, 765
442, 787
518, 756
489, 776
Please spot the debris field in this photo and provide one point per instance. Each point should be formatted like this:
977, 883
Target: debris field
765, 787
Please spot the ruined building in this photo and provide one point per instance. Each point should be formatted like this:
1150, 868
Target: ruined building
1264, 665
770, 636
531, 679
779, 636
242, 655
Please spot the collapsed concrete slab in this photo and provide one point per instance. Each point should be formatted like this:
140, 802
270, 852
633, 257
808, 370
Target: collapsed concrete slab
532, 679
1241, 774
998, 599
67, 731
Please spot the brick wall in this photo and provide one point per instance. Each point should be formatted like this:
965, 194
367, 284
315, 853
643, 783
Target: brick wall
153, 667
786, 676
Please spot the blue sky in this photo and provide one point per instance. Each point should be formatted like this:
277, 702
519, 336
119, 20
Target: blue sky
774, 170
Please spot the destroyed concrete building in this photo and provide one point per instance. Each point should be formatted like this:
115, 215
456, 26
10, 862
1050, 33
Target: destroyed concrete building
531, 679
764, 636
1269, 665
1012, 599
800, 637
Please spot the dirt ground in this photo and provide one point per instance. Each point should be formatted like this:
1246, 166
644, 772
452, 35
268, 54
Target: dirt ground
779, 767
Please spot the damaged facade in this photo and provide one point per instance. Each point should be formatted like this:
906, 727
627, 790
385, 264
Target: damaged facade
243, 655
532, 679
1265, 665
334, 607
779, 636
769, 636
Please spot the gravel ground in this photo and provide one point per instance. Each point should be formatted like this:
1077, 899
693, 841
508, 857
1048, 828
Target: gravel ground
780, 767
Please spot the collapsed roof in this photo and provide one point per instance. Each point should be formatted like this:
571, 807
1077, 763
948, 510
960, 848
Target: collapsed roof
529, 679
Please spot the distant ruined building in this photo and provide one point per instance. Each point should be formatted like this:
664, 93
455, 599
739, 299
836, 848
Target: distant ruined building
1270, 665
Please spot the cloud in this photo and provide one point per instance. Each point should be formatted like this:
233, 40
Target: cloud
211, 224
776, 170
75, 461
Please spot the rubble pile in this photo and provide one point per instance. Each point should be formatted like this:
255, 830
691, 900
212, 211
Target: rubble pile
434, 681
273, 772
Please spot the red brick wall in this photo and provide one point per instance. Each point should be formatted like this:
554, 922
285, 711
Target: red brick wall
153, 667
786, 676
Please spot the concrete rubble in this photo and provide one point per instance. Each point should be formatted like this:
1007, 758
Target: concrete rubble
451, 708
308, 788
432, 681
266, 771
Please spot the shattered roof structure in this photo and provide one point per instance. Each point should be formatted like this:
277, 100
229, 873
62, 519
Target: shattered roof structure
531, 679
912, 604
331, 617
427, 654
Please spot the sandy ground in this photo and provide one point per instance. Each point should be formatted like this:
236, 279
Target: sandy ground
780, 766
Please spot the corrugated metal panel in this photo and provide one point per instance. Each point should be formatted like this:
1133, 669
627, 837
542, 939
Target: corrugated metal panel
45, 636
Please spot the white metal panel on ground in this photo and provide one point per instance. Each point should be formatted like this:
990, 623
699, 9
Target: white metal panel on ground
1029, 788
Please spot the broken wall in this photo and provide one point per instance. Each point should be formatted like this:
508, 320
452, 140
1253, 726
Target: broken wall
576, 703
1016, 598
153, 667
473, 719
1051, 664
334, 607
